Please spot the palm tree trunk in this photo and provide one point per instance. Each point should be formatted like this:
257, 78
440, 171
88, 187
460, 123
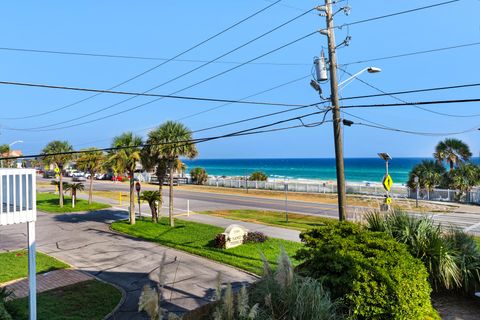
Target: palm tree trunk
170, 197
451, 165
60, 187
132, 201
90, 190
160, 178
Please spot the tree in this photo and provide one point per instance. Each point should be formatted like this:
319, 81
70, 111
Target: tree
56, 152
73, 188
258, 176
152, 198
464, 178
125, 159
172, 142
429, 173
199, 175
5, 152
452, 151
92, 161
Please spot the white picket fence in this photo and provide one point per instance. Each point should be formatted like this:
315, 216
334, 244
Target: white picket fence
367, 189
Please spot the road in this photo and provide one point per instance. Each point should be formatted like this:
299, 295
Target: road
203, 201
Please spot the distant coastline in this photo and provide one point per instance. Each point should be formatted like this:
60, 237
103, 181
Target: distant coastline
358, 170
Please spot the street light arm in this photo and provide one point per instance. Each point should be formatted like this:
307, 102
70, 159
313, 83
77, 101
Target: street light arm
347, 81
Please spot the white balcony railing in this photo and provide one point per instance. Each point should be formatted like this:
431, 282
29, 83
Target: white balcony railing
17, 196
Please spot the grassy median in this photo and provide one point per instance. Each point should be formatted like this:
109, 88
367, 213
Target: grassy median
272, 218
49, 202
14, 264
85, 300
199, 238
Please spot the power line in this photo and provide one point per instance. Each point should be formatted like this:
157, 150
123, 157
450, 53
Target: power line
242, 99
396, 14
383, 105
416, 106
158, 65
229, 101
157, 99
249, 131
189, 72
412, 53
129, 57
376, 125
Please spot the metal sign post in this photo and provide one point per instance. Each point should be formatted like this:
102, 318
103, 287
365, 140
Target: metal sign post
387, 182
417, 186
138, 187
286, 201
18, 204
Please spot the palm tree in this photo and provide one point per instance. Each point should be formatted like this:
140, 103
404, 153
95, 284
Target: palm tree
73, 188
152, 197
125, 159
171, 141
453, 151
464, 178
92, 161
5, 152
199, 175
429, 173
58, 153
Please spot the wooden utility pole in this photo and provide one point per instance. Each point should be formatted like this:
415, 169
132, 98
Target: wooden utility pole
337, 129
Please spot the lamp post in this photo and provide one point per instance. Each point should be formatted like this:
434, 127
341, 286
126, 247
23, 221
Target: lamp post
14, 142
417, 186
346, 82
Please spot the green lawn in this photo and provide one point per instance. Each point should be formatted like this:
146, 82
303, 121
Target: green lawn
14, 265
48, 202
273, 218
85, 300
477, 239
199, 238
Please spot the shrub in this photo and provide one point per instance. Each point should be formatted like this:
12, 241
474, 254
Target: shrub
451, 258
278, 295
258, 176
220, 241
199, 175
254, 237
4, 294
374, 275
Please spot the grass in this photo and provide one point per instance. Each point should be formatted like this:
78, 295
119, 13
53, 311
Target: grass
272, 218
477, 239
199, 238
14, 265
85, 300
48, 202
352, 200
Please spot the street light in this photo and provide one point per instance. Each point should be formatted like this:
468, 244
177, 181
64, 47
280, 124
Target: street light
353, 77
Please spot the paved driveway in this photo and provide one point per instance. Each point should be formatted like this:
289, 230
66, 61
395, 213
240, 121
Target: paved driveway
85, 241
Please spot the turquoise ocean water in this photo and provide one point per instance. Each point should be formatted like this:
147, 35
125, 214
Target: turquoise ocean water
356, 169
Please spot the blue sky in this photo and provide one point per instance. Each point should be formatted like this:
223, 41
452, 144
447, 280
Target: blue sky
165, 28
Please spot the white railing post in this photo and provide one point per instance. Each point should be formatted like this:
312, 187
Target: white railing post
32, 280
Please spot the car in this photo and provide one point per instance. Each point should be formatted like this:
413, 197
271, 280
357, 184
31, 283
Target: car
49, 174
79, 179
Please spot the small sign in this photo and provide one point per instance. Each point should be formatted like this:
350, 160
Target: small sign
387, 182
234, 236
57, 170
388, 200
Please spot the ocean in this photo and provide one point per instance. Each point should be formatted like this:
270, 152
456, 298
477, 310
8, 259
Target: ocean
356, 169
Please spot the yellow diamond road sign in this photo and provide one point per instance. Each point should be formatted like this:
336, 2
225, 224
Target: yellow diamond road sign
387, 182
57, 169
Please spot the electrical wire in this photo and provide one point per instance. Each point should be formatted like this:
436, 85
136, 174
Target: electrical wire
383, 105
395, 14
416, 106
229, 101
158, 65
249, 131
157, 99
412, 53
114, 56
377, 125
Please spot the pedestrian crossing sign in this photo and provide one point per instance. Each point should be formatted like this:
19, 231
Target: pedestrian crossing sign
387, 182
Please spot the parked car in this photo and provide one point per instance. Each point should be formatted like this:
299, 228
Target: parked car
49, 174
79, 178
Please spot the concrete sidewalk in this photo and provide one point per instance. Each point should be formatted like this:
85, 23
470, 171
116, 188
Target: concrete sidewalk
48, 281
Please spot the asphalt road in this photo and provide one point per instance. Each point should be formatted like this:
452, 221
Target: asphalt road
203, 201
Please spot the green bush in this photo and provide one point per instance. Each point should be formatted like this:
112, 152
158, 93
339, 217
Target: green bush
258, 176
199, 175
451, 258
4, 294
376, 277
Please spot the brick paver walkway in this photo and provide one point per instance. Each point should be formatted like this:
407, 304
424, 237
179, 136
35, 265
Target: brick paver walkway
48, 281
